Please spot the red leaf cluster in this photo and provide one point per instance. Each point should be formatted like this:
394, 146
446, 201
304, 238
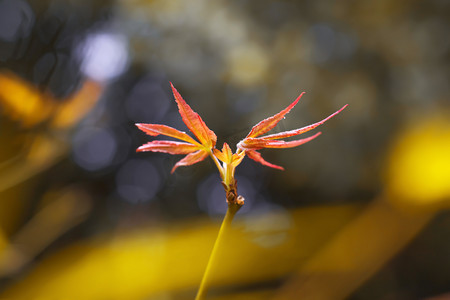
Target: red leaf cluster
198, 150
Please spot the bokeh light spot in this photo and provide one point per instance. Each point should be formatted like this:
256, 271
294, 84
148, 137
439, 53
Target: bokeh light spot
94, 148
104, 56
248, 65
147, 102
138, 181
324, 39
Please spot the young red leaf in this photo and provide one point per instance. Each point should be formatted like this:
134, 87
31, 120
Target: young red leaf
259, 143
219, 154
237, 159
256, 156
294, 132
225, 155
252, 142
191, 159
170, 147
157, 129
269, 123
194, 122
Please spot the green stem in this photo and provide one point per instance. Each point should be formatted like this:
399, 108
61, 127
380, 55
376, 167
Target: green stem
226, 224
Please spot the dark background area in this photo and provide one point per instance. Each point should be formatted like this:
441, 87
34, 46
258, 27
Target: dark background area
235, 63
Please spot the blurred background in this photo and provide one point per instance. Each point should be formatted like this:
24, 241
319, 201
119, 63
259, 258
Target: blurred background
360, 213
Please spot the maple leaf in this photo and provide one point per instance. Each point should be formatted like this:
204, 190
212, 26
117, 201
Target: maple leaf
227, 156
196, 150
253, 142
226, 161
230, 161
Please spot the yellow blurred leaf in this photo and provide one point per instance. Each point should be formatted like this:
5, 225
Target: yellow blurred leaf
26, 103
3, 240
76, 107
354, 254
44, 151
23, 102
66, 209
136, 265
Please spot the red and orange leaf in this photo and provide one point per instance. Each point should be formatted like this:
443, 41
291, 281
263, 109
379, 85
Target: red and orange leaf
227, 151
256, 156
269, 123
225, 155
191, 159
157, 129
237, 159
170, 147
193, 121
294, 132
259, 143
220, 155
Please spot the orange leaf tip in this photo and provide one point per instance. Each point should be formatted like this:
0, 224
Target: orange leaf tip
269, 123
194, 122
256, 156
259, 143
196, 150
190, 159
157, 129
253, 142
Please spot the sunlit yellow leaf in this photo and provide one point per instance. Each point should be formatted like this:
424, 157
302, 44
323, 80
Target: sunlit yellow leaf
22, 101
64, 209
137, 265
3, 240
354, 254
78, 105
43, 152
